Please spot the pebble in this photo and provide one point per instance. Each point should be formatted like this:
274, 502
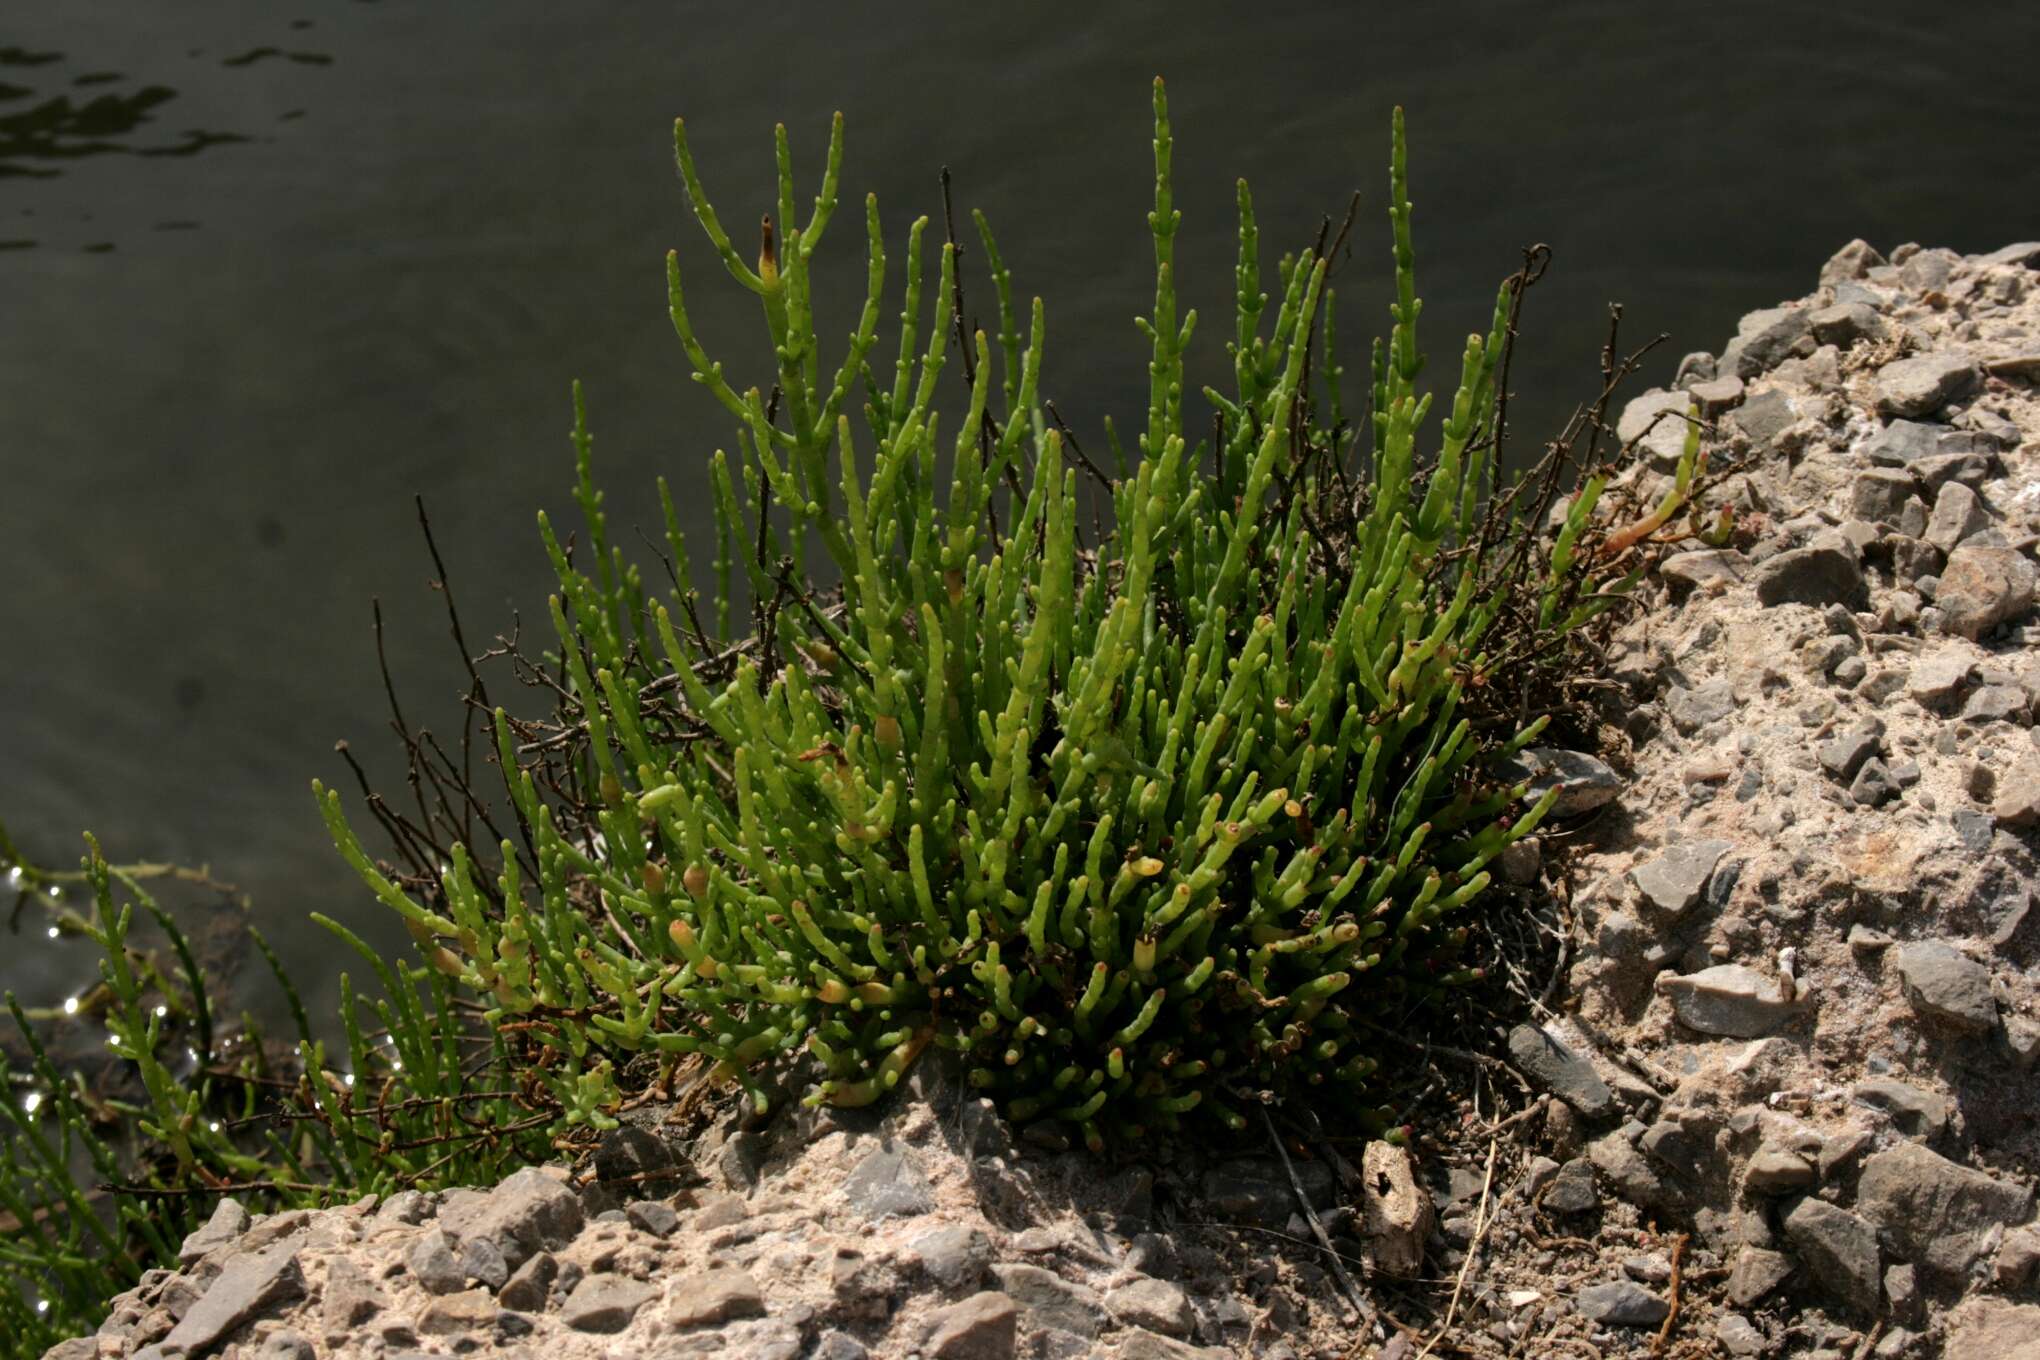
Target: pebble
1819, 574
1572, 1189
1550, 1063
1937, 1212
1675, 880
1757, 1271
607, 1303
1918, 386
1947, 986
981, 1327
1982, 587
1840, 1249
1729, 999
1154, 1304
888, 1182
1621, 1303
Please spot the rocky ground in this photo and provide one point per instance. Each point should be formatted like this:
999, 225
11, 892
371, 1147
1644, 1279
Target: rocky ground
1779, 1100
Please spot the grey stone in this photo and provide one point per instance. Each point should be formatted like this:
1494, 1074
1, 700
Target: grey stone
1818, 574
1903, 442
1918, 386
1572, 1189
1968, 469
457, 1314
266, 1229
1619, 1303
1629, 1171
1843, 324
350, 1297
1757, 1271
1995, 703
1957, 514
1584, 782
1739, 1336
1521, 862
1693, 709
2017, 800
1545, 1059
249, 1285
1844, 753
2024, 253
607, 1303
1777, 1170
631, 1162
1051, 1301
528, 1211
1915, 1112
1675, 881
1642, 413
1840, 1152
1764, 417
407, 1206
954, 1257
1938, 1213
835, 1345
2017, 1259
1696, 367
1874, 785
1840, 1249
649, 1215
1728, 999
1704, 566
1945, 985
1154, 1304
1852, 261
286, 1344
1716, 395
481, 1259
981, 1327
713, 1295
1764, 339
1902, 1290
433, 1265
1937, 679
528, 1287
1136, 1343
1982, 586
1878, 494
229, 1220
888, 1183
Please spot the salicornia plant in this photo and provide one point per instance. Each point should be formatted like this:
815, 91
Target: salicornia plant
1145, 828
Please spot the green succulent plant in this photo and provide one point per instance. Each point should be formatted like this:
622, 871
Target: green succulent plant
1146, 829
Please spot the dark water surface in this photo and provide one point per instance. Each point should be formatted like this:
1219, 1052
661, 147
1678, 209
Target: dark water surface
267, 270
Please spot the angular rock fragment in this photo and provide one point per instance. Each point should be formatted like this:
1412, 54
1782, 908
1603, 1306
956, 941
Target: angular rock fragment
1674, 881
1918, 386
1937, 1212
249, 1286
1728, 999
1619, 1303
1945, 985
1547, 1061
981, 1327
713, 1295
606, 1303
1841, 1250
1983, 586
1821, 573
888, 1183
229, 1220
